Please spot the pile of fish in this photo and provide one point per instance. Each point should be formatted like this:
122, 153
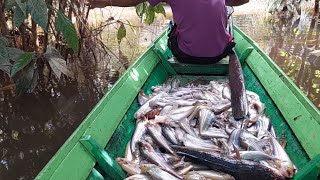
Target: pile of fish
189, 133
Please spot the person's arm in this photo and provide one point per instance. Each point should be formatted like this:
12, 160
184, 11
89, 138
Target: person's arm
120, 3
236, 2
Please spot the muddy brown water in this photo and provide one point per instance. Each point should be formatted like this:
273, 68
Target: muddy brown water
33, 127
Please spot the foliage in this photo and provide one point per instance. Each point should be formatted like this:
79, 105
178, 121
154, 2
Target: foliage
39, 35
25, 44
147, 15
64, 25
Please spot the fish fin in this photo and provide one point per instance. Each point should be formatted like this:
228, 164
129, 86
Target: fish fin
283, 143
174, 106
236, 150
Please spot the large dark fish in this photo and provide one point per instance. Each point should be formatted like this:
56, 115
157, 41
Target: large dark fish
239, 100
241, 170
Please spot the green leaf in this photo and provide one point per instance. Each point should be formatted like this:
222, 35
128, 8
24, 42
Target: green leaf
22, 61
150, 14
13, 53
160, 9
5, 65
8, 4
19, 17
132, 27
25, 79
3, 42
39, 12
140, 9
64, 25
57, 63
122, 32
23, 6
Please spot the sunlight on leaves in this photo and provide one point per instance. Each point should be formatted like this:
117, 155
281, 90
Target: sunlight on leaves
132, 27
160, 9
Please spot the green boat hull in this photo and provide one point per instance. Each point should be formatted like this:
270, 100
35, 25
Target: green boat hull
90, 151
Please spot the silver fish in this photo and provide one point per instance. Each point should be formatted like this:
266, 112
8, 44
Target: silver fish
234, 139
206, 117
226, 92
138, 177
185, 170
130, 167
140, 130
193, 142
250, 144
152, 130
165, 110
210, 174
142, 98
169, 134
145, 107
193, 176
255, 156
184, 124
148, 151
218, 109
287, 167
157, 173
128, 153
214, 133
224, 145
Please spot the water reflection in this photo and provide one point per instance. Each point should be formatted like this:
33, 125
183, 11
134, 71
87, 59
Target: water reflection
292, 42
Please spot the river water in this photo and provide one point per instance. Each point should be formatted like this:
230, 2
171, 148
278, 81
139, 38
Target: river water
33, 127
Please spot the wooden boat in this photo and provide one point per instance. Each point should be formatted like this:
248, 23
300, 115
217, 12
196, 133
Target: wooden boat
90, 151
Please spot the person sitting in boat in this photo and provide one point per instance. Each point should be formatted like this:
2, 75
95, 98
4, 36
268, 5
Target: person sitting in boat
199, 35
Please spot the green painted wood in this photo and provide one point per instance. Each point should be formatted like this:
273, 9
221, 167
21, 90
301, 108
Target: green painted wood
95, 175
304, 125
189, 70
108, 164
71, 151
243, 42
220, 68
245, 54
310, 171
164, 53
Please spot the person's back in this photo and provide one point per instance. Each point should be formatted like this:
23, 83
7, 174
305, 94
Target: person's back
199, 36
201, 26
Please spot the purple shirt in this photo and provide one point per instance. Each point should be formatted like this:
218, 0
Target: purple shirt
201, 26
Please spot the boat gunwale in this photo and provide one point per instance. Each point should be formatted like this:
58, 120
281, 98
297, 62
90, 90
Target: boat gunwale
58, 159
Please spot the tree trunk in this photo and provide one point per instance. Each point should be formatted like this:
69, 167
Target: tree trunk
316, 8
3, 25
